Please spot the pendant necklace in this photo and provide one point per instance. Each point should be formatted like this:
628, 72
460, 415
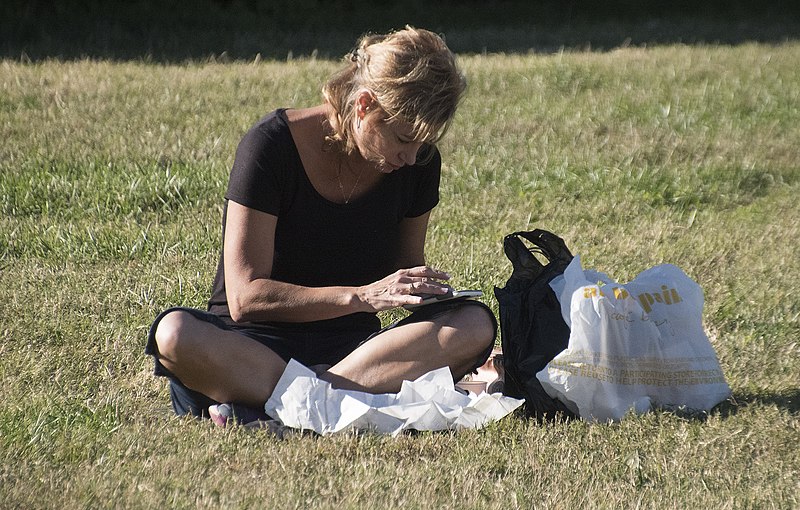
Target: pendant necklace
341, 187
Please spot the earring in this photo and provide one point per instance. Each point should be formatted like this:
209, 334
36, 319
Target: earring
358, 122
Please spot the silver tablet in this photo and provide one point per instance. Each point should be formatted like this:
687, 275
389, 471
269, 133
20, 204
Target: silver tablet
439, 298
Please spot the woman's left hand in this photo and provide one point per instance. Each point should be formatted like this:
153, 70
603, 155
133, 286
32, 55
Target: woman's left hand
403, 287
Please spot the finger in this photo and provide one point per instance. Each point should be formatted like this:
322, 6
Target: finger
427, 287
411, 299
427, 271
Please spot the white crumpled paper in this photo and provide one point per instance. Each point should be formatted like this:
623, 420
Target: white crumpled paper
303, 401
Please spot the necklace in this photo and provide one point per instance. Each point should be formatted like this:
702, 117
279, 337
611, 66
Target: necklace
341, 187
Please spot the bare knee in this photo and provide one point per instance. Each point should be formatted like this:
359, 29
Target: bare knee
171, 334
475, 328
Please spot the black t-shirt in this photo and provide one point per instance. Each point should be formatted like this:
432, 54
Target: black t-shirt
318, 242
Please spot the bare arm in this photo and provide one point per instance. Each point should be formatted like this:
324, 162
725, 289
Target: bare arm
412, 246
252, 295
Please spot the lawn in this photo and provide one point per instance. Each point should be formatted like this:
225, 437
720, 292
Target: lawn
111, 179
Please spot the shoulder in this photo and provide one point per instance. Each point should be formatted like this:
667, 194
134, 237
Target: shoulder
426, 171
272, 127
429, 158
264, 165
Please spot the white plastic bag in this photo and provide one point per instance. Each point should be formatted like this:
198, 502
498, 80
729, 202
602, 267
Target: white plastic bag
633, 346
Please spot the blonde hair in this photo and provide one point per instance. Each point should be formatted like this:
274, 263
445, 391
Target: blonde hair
412, 75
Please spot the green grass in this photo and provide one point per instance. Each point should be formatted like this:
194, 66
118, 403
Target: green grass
111, 178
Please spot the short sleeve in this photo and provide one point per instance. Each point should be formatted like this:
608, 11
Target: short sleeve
256, 177
427, 192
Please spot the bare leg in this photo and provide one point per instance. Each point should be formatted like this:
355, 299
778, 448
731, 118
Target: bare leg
455, 339
224, 365
229, 367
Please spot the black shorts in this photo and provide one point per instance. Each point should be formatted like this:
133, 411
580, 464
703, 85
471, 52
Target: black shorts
291, 343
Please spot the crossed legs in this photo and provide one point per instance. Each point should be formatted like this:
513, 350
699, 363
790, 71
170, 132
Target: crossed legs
230, 367
455, 339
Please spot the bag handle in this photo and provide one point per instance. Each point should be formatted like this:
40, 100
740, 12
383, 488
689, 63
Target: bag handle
526, 266
548, 244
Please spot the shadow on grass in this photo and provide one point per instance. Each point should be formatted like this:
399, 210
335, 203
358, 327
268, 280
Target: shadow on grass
788, 400
171, 31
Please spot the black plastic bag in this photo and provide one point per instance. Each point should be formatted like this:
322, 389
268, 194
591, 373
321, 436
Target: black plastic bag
532, 328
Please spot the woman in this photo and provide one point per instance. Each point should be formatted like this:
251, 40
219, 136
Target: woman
324, 225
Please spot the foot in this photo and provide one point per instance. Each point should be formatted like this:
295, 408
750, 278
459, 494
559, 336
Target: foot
221, 415
227, 414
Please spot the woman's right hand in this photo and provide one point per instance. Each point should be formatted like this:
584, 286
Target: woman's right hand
404, 287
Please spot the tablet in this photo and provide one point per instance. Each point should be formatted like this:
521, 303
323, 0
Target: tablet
438, 298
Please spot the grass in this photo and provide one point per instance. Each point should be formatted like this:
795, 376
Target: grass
111, 175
